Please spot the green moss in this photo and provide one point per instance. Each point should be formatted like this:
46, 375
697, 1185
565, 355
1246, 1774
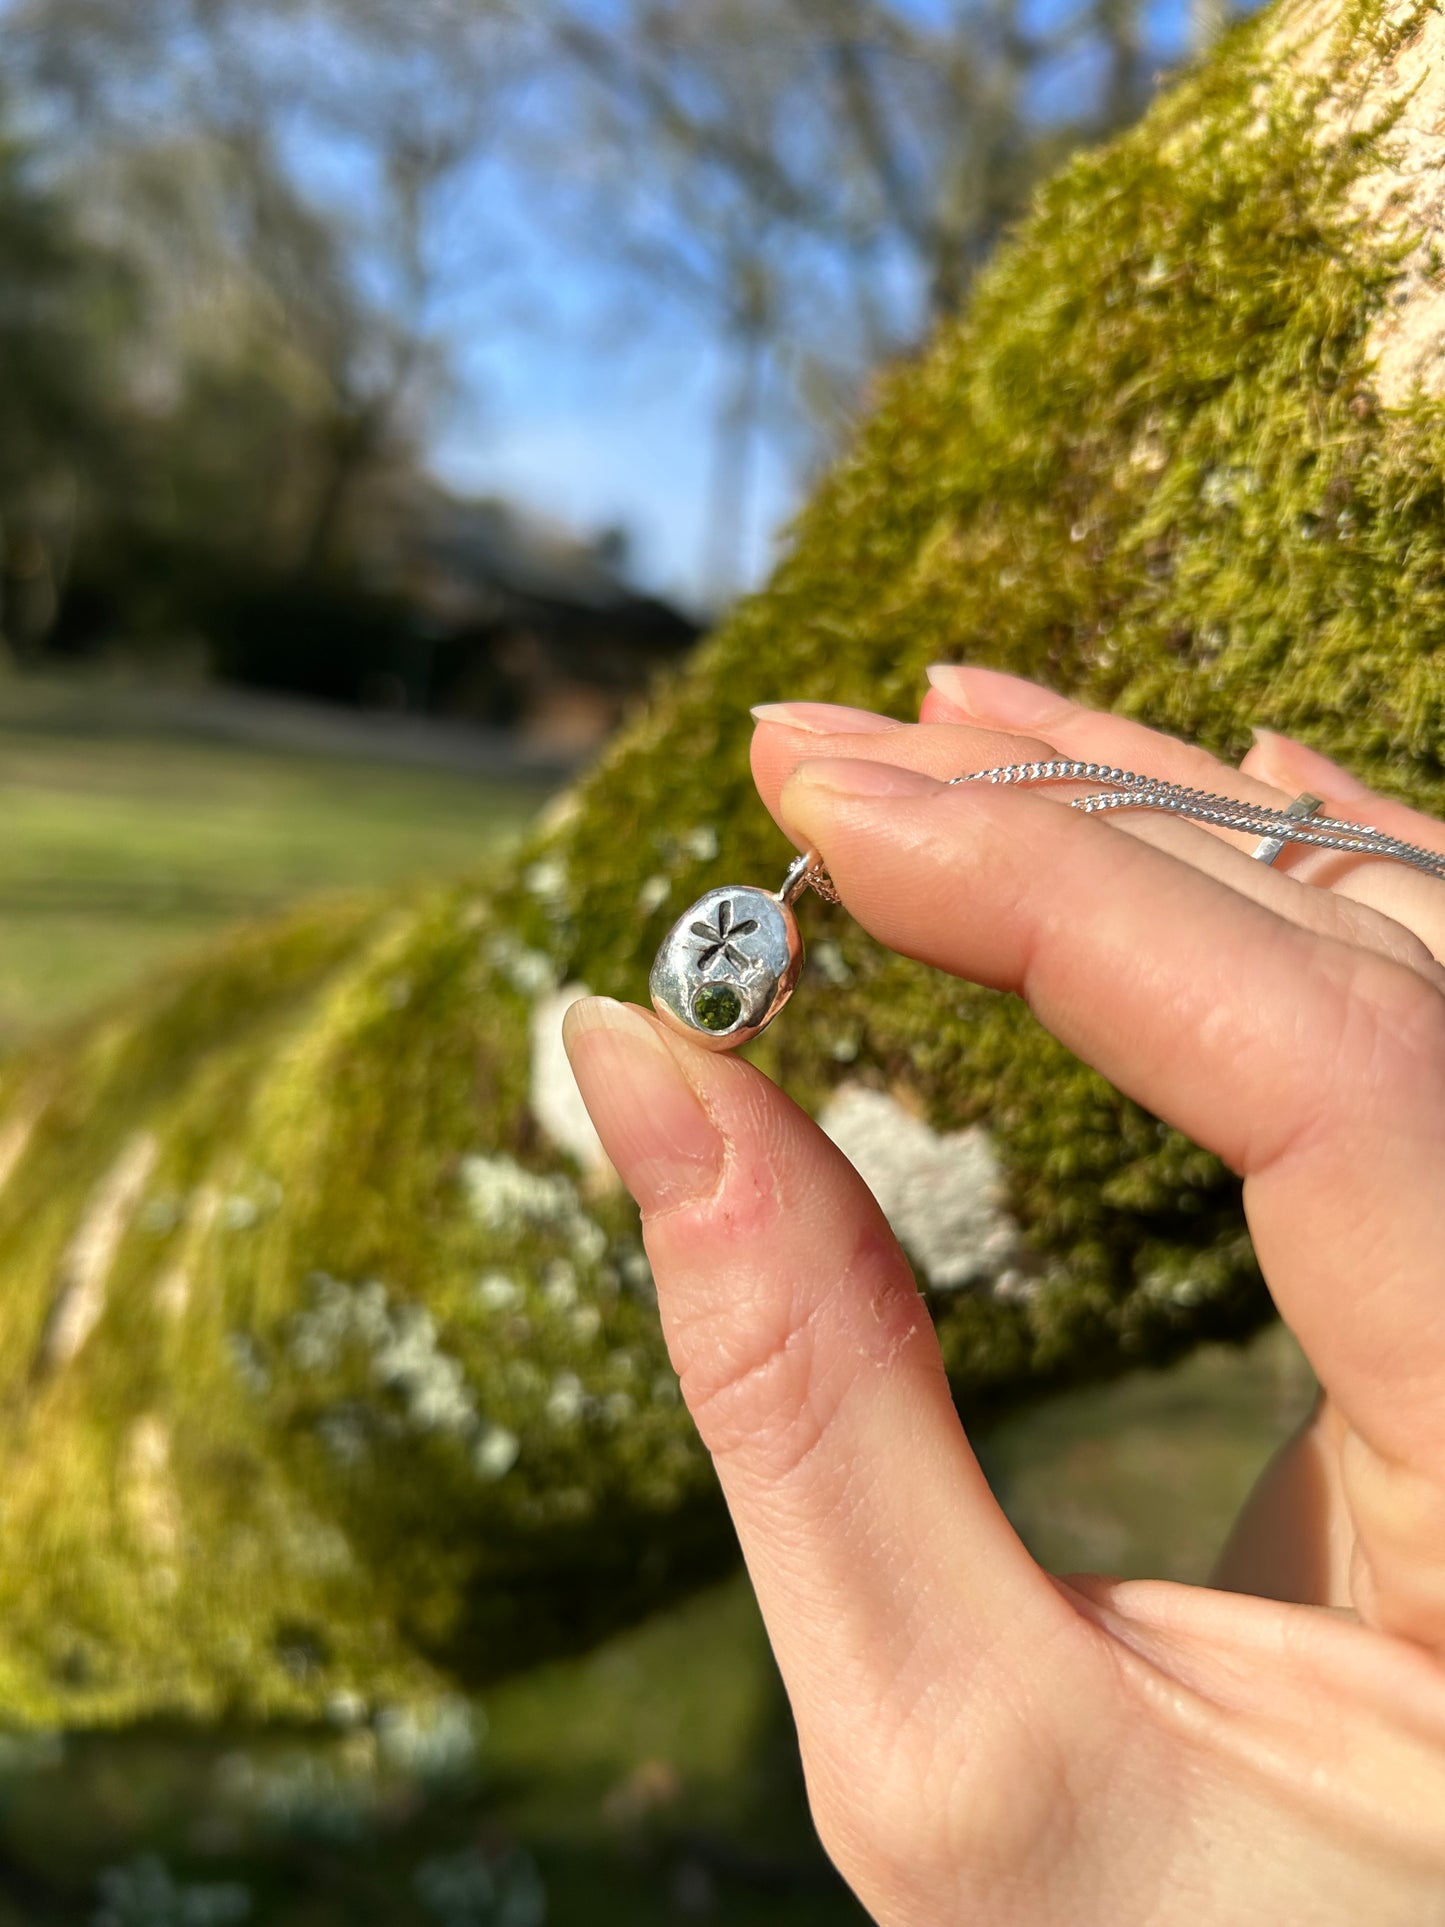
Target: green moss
409, 1411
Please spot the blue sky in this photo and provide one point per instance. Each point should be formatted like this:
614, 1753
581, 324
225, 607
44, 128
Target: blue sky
596, 438
602, 422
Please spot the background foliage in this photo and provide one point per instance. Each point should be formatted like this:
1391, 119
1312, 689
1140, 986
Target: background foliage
246, 248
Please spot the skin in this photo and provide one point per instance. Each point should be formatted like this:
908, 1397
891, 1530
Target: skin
983, 1741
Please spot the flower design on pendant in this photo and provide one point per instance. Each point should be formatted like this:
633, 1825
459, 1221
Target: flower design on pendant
727, 966
719, 939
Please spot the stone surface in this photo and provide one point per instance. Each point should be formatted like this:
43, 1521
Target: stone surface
370, 1392
716, 1007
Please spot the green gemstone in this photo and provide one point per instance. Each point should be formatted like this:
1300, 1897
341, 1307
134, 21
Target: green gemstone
716, 1007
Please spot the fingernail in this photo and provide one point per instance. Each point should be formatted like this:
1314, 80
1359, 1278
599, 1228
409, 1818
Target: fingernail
824, 719
990, 696
666, 1148
1294, 762
857, 776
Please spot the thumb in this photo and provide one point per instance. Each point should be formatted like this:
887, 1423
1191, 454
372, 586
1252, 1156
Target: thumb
881, 1560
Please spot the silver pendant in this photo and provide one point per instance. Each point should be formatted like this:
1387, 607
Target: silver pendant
730, 963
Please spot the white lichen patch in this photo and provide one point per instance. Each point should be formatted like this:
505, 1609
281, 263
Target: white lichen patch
431, 1742
636, 1274
148, 1490
529, 972
173, 1287
587, 1239
244, 1208
83, 1274
510, 1201
429, 1382
547, 880
559, 1284
495, 1452
144, 1890
567, 1399
15, 1136
499, 1291
653, 894
944, 1195
400, 1351
826, 960
503, 1195
555, 1100
470, 1885
405, 1358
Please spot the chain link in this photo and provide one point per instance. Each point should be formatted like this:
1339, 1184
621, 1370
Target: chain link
1124, 790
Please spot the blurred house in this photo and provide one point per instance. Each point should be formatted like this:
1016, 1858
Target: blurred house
517, 619
468, 609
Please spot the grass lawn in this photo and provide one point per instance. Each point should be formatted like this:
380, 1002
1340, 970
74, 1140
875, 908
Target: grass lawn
652, 1782
121, 843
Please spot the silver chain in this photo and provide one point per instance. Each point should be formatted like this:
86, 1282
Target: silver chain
1124, 790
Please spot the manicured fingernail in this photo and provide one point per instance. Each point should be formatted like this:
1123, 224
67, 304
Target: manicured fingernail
824, 719
858, 776
992, 697
666, 1148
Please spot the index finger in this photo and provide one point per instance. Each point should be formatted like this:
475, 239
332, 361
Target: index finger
1313, 1067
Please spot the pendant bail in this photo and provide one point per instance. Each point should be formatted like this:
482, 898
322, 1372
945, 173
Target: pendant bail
808, 872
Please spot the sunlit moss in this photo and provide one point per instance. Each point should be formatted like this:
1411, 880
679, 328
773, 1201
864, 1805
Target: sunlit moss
363, 1405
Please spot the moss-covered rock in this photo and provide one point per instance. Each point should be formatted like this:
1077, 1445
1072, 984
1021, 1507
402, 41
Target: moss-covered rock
330, 1361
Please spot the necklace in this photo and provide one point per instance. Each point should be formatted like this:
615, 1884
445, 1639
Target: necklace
731, 962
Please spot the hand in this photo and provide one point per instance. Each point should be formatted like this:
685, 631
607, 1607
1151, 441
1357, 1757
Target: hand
984, 1742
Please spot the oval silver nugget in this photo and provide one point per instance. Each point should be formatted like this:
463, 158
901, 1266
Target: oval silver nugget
727, 966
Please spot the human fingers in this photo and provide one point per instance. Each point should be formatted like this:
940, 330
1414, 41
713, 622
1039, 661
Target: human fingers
1292, 766
810, 1365
1314, 1068
950, 743
988, 699
1281, 760
789, 734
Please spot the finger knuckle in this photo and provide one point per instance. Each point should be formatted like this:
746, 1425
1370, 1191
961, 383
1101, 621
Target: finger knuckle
1393, 1028
754, 1383
939, 1829
1412, 1010
1363, 924
1372, 1040
766, 1361
879, 1830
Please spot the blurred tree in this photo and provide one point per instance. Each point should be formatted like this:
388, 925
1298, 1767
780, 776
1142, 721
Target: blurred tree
61, 305
318, 197
278, 216
821, 179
